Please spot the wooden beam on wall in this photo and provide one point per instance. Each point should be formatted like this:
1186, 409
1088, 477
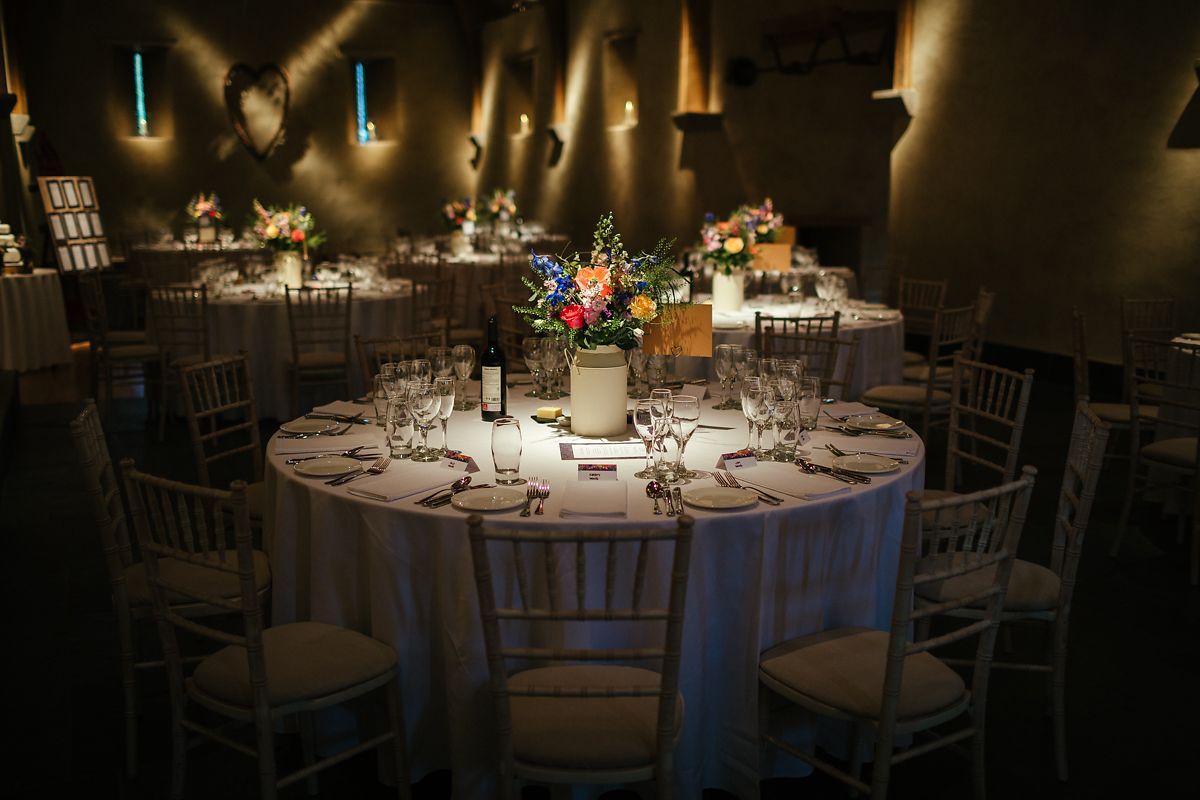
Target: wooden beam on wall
471, 26
556, 25
902, 71
695, 55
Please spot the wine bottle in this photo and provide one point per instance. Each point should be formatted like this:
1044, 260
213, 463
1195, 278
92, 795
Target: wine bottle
493, 387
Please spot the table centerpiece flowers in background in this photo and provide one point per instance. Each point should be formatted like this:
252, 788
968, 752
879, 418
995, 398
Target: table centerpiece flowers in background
500, 205
598, 303
204, 210
769, 252
291, 233
729, 246
460, 215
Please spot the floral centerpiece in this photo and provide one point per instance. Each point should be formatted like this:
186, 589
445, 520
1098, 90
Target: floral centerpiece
762, 219
501, 205
603, 297
285, 229
458, 214
729, 244
204, 208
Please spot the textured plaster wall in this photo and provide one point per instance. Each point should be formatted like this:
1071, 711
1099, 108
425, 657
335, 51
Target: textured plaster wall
1037, 162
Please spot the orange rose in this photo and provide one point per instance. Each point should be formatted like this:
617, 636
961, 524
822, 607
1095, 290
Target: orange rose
587, 276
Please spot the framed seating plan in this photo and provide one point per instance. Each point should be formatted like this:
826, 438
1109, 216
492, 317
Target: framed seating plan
73, 217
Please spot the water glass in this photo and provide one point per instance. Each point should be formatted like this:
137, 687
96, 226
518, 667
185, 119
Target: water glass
379, 398
645, 424
637, 368
420, 371
506, 450
786, 428
399, 428
724, 361
668, 451
442, 361
656, 370
808, 402
464, 362
753, 408
554, 363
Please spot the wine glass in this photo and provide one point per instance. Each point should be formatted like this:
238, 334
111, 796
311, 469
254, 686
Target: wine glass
656, 371
644, 423
379, 398
424, 404
768, 368
724, 358
762, 420
531, 350
685, 410
444, 389
442, 361
554, 362
420, 371
464, 362
637, 368
743, 359
752, 402
785, 431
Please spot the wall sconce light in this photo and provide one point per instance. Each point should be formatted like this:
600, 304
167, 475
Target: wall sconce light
556, 145
478, 145
628, 112
524, 124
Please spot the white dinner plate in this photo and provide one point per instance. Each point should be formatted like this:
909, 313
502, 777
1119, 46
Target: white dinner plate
327, 466
497, 499
1189, 336
719, 497
866, 463
874, 422
308, 426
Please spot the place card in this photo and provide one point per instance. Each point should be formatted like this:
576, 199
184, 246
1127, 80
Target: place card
597, 472
681, 330
459, 462
741, 459
581, 451
802, 437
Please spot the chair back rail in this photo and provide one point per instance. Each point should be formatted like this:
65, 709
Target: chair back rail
987, 419
1152, 318
179, 314
319, 319
828, 358
919, 301
1079, 359
377, 351
1085, 459
103, 490
221, 412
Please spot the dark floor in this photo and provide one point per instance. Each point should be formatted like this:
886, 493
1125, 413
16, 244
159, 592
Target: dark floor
1132, 687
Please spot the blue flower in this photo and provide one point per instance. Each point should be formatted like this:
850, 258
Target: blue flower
641, 286
710, 217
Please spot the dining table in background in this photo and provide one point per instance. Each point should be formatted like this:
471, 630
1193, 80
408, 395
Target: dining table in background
177, 262
33, 322
402, 573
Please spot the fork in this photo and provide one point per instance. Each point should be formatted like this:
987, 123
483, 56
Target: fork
764, 496
378, 468
543, 492
531, 492
831, 447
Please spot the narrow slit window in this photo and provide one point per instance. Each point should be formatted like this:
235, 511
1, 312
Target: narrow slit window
373, 85
360, 103
142, 120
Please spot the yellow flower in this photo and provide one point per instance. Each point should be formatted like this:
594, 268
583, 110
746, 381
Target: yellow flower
642, 307
271, 231
734, 245
762, 228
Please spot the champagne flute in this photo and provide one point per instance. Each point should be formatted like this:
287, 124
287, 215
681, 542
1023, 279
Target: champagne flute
724, 359
685, 409
644, 423
751, 401
379, 398
424, 404
531, 350
444, 389
637, 368
464, 362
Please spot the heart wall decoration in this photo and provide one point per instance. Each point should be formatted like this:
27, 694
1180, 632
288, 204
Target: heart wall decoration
257, 101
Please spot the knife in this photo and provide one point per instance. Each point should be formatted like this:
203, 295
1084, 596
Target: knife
715, 427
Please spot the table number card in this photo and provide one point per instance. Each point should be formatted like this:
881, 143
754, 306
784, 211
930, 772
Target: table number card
459, 462
578, 451
741, 459
597, 472
682, 330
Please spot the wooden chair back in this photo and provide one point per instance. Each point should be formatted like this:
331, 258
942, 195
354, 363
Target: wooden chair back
546, 596
319, 320
826, 357
179, 314
373, 352
953, 329
919, 301
104, 493
157, 266
808, 326
1079, 359
1085, 459
1148, 318
987, 418
95, 308
222, 418
984, 301
1164, 373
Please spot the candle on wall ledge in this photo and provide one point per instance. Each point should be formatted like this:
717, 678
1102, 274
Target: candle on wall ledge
371, 135
628, 112
524, 123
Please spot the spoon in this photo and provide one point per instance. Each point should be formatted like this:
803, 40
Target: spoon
811, 469
654, 491
453, 488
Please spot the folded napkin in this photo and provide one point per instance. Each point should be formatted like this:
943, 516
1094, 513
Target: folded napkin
823, 495
594, 499
845, 409
357, 435
344, 408
396, 485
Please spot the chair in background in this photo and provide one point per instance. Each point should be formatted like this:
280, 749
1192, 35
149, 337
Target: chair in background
590, 722
260, 676
952, 329
1115, 415
222, 419
179, 316
971, 347
828, 358
116, 359
919, 301
1167, 374
157, 266
887, 685
127, 577
373, 352
808, 326
985, 300
1041, 594
1147, 319
319, 322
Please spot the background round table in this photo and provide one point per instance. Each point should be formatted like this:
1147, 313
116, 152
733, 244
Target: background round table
403, 574
33, 322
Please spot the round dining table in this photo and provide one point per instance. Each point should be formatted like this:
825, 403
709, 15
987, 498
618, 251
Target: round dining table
248, 319
33, 322
402, 573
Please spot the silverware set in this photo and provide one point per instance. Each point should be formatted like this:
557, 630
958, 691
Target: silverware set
831, 447
378, 468
443, 497
353, 452
357, 419
311, 435
731, 482
843, 475
536, 489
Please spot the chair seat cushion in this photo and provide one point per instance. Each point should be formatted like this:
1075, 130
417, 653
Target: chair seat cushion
305, 661
964, 516
1179, 451
844, 669
920, 373
897, 394
1122, 413
1031, 587
206, 581
321, 360
586, 732
132, 352
912, 357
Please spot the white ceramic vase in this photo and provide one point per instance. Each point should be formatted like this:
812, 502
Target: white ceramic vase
598, 385
728, 290
289, 265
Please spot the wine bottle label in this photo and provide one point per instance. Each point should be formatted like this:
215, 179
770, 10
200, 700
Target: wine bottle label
491, 395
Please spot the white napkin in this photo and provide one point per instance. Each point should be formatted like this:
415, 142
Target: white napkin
693, 390
877, 444
396, 485
357, 435
343, 407
594, 499
823, 495
845, 409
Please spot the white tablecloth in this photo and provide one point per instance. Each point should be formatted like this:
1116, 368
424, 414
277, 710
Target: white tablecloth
33, 322
260, 327
402, 574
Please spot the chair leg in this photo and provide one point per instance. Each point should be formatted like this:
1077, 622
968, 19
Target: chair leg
163, 394
1127, 506
978, 776
856, 731
1195, 548
128, 691
178, 749
265, 739
309, 748
1058, 686
399, 742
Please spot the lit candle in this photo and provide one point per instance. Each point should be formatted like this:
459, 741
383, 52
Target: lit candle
524, 123
628, 112
370, 131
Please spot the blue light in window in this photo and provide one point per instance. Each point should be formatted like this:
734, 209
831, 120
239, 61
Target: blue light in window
139, 89
360, 97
